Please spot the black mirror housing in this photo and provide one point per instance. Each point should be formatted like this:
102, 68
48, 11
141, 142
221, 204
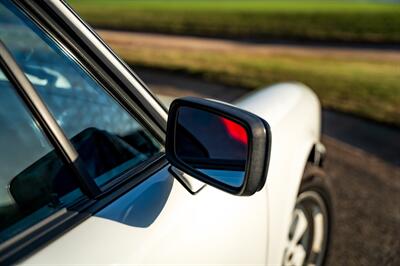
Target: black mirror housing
219, 144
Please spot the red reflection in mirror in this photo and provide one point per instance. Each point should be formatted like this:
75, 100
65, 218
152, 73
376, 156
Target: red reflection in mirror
235, 130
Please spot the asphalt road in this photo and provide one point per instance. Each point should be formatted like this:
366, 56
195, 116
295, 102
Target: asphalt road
363, 164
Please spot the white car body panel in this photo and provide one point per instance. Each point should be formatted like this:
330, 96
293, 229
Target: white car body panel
211, 227
293, 112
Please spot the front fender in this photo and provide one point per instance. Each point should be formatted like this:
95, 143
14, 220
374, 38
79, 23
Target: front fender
294, 114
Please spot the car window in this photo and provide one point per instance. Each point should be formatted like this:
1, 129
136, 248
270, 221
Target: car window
107, 138
34, 182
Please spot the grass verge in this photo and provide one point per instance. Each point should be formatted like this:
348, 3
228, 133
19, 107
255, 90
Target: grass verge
360, 85
331, 21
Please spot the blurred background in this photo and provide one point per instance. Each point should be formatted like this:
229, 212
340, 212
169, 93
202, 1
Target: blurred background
348, 52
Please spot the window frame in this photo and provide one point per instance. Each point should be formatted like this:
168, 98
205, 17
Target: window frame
61, 30
68, 37
52, 132
46, 15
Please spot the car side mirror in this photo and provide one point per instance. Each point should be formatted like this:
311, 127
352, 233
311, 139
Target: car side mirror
219, 144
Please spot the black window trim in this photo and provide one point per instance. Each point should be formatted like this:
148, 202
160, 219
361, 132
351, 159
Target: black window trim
15, 248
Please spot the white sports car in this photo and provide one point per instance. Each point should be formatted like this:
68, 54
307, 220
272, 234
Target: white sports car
94, 170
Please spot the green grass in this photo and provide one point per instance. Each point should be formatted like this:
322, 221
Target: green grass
332, 21
366, 88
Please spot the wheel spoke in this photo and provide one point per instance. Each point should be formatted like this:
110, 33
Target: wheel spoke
318, 232
301, 226
295, 253
299, 255
307, 233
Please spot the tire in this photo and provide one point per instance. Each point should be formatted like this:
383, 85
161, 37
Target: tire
311, 227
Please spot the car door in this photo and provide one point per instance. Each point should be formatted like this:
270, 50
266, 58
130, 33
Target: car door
130, 209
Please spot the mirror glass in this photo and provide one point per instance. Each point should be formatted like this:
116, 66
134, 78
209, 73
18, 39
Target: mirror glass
214, 145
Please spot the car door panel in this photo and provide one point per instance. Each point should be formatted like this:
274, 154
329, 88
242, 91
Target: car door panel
160, 222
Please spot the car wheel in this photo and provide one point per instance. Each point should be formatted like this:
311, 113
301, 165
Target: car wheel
310, 230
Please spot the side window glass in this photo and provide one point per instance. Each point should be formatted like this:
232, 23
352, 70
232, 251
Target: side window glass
34, 182
108, 139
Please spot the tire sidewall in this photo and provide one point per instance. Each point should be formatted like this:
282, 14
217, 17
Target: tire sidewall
316, 180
